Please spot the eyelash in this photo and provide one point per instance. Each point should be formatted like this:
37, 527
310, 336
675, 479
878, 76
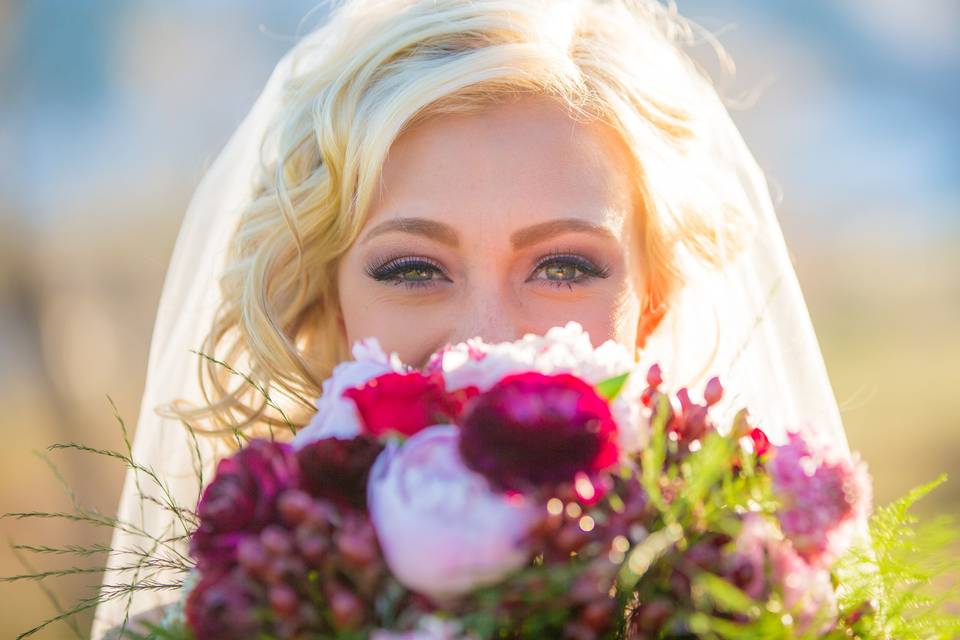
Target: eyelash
389, 269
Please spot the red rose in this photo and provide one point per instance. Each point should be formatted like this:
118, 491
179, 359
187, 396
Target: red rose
405, 403
532, 429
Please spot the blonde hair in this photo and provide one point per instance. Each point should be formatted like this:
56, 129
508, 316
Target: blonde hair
377, 67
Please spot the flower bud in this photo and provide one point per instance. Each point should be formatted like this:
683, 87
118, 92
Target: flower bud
346, 609
312, 545
294, 507
714, 391
357, 545
276, 540
283, 600
655, 376
252, 556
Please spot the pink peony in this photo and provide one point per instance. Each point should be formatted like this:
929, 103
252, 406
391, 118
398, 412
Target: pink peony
823, 495
442, 530
532, 429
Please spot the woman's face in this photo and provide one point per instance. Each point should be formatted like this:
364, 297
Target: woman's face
496, 224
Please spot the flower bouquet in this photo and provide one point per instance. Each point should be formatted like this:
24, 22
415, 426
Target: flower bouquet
544, 488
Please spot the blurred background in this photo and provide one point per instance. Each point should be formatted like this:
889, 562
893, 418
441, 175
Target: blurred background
111, 110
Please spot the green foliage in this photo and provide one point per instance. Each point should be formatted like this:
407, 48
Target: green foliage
909, 573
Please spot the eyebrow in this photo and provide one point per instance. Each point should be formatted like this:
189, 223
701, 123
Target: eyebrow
525, 237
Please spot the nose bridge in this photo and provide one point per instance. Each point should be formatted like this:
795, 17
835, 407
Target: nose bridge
488, 313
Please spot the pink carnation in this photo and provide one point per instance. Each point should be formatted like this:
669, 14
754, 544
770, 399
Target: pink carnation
823, 494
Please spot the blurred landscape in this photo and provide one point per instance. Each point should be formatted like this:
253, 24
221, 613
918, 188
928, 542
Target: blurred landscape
110, 112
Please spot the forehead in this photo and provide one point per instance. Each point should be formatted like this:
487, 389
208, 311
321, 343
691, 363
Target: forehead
525, 160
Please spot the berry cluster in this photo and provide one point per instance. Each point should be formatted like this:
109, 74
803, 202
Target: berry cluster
314, 567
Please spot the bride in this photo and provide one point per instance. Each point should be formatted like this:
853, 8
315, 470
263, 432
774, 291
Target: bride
425, 171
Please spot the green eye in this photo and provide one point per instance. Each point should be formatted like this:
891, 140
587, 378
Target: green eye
562, 272
559, 270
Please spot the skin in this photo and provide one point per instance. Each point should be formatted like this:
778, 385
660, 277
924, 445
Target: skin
496, 224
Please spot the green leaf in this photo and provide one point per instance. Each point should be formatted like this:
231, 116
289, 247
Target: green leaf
704, 472
646, 553
611, 387
725, 595
652, 457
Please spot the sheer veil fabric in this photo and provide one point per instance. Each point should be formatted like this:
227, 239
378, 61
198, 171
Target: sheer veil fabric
747, 322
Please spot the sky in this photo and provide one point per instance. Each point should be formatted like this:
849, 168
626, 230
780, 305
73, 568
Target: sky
852, 110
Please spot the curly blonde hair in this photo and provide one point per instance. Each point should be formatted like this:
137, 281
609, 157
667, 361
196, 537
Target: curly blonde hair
375, 68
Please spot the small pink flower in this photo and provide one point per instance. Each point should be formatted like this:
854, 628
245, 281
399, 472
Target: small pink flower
823, 494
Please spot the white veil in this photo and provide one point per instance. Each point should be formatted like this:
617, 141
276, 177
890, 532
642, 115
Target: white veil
748, 322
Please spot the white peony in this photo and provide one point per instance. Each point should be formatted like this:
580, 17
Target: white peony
564, 349
442, 530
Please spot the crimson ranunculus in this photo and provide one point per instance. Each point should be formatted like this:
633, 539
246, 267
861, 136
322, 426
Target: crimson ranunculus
223, 605
531, 429
336, 469
241, 499
405, 403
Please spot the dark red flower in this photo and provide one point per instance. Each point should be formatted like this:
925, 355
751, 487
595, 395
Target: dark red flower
532, 429
223, 605
241, 499
337, 469
405, 403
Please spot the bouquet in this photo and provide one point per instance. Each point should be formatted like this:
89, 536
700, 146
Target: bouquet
544, 488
